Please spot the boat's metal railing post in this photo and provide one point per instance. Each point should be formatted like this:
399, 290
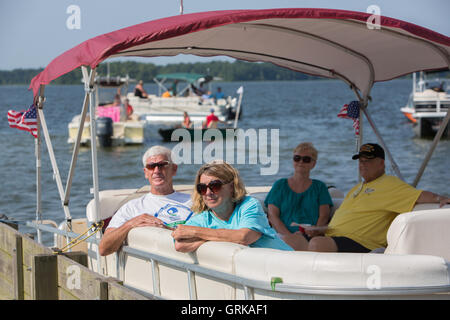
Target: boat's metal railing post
155, 277
191, 285
51, 153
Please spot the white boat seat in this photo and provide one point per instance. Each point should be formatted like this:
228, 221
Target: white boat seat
112, 200
313, 270
421, 232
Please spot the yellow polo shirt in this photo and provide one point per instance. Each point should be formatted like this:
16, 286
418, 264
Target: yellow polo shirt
369, 209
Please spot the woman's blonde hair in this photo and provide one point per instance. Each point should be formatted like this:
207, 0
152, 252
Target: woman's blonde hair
307, 146
226, 174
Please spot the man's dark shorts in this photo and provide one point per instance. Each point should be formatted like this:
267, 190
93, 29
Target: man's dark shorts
345, 244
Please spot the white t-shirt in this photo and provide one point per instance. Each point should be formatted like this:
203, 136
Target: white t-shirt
172, 209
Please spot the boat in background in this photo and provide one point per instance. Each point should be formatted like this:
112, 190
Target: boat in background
427, 106
113, 127
193, 98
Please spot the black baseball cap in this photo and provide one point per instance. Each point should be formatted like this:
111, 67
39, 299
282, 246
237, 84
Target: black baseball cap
370, 151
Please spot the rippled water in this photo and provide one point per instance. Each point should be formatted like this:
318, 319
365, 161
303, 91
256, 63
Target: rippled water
302, 111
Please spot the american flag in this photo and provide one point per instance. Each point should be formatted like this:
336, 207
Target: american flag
24, 120
351, 111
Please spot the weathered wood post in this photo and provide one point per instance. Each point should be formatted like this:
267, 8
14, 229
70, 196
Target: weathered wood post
45, 277
18, 268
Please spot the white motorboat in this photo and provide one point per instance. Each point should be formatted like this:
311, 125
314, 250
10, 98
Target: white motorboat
192, 97
324, 42
427, 105
112, 126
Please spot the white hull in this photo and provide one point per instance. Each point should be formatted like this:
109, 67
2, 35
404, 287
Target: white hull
124, 132
170, 110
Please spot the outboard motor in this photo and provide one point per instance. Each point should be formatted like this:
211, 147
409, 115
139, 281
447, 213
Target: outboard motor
231, 113
104, 131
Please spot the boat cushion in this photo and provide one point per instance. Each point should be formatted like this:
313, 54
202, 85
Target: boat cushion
323, 272
421, 232
315, 273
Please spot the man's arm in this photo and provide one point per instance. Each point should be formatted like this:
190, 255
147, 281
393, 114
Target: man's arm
430, 197
114, 237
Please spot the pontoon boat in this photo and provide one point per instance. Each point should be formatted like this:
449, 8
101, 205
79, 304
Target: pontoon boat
113, 126
427, 105
330, 43
192, 97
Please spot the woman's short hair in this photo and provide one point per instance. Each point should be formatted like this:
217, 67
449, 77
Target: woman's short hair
226, 174
307, 146
155, 151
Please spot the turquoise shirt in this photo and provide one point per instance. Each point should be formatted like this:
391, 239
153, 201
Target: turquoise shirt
298, 207
247, 214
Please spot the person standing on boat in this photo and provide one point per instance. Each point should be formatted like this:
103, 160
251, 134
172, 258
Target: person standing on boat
299, 199
361, 222
186, 120
161, 207
129, 110
219, 94
139, 90
211, 120
226, 213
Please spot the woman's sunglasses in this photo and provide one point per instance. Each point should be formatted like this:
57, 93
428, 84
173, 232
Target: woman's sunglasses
160, 165
305, 159
214, 186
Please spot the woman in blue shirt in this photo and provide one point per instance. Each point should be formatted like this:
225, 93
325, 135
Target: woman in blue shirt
299, 199
226, 213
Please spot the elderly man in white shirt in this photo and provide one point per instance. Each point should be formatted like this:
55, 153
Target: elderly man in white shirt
161, 207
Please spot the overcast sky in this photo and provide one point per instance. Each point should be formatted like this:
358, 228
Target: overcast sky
34, 32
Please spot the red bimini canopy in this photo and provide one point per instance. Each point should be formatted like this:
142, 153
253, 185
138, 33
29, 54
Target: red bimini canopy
322, 42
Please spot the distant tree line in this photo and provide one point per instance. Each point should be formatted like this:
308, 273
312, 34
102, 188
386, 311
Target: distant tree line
228, 71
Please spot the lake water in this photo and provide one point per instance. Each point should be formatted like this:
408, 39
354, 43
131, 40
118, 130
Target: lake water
302, 111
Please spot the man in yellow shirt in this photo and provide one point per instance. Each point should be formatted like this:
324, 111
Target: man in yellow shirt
361, 222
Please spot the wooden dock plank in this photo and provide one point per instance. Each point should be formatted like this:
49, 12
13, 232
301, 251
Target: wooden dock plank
79, 281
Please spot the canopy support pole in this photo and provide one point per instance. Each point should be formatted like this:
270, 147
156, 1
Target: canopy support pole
51, 153
436, 139
95, 188
381, 141
88, 82
364, 103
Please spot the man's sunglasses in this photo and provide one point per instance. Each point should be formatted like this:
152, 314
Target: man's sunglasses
160, 165
305, 159
214, 186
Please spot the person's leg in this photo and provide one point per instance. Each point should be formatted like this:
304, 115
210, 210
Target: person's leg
336, 244
322, 244
296, 241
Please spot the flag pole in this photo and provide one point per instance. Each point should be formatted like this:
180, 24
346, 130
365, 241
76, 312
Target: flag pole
238, 109
37, 148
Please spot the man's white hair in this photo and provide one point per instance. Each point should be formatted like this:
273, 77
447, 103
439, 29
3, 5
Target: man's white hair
156, 151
